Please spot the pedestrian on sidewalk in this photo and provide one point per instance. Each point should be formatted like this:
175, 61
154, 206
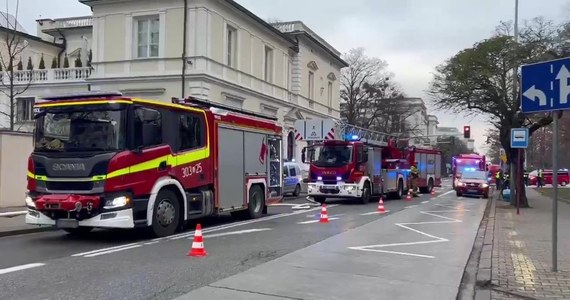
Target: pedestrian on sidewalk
540, 178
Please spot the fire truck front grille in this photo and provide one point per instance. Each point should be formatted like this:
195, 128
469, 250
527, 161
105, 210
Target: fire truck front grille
69, 185
329, 181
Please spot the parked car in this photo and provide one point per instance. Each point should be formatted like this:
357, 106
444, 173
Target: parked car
563, 177
475, 183
292, 178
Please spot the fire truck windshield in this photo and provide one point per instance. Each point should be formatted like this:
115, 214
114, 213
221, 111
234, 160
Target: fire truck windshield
332, 155
71, 131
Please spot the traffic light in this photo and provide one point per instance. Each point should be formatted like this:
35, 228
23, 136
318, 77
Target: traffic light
467, 132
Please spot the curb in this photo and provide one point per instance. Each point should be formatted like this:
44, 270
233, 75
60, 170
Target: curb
25, 231
472, 279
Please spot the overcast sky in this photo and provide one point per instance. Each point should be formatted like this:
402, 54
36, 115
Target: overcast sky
413, 36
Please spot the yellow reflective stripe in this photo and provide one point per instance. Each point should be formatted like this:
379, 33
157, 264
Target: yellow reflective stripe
41, 177
192, 156
118, 172
30, 174
57, 103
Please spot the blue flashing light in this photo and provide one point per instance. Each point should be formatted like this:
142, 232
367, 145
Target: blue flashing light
319, 178
338, 178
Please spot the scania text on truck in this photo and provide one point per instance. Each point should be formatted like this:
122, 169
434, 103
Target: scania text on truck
109, 161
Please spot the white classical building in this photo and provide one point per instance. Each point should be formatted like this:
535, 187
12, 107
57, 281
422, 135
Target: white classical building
214, 49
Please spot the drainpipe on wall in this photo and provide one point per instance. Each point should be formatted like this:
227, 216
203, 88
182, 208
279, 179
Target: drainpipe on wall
63, 49
185, 28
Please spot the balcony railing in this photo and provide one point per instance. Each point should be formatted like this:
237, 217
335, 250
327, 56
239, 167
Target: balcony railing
47, 76
71, 22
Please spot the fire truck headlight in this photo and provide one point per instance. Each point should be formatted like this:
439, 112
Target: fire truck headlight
30, 201
350, 187
319, 178
117, 202
338, 178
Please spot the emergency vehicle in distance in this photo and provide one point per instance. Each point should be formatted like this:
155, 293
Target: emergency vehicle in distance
351, 162
466, 162
109, 161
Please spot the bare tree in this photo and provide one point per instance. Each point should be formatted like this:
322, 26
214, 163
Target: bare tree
368, 94
13, 83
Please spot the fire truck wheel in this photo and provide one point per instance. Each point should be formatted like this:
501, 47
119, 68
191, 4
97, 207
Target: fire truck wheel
430, 185
256, 202
166, 213
366, 194
78, 231
297, 190
400, 189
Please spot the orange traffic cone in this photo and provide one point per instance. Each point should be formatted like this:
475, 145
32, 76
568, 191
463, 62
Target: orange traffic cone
433, 192
198, 243
381, 208
324, 215
409, 196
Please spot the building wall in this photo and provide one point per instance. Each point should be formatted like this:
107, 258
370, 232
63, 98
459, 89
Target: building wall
310, 52
13, 167
33, 49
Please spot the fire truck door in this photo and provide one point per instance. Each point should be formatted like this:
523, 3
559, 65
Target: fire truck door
374, 168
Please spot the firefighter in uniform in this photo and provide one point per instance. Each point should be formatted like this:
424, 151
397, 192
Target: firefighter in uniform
499, 179
414, 180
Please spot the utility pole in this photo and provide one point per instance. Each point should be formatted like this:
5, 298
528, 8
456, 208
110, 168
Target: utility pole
515, 94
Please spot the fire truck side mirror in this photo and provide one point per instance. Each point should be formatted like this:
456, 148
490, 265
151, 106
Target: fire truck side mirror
303, 154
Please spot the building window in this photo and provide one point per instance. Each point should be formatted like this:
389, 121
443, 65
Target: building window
290, 145
330, 94
191, 133
25, 109
147, 32
231, 46
311, 85
268, 76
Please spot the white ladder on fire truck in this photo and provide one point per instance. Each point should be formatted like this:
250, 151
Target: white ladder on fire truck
366, 135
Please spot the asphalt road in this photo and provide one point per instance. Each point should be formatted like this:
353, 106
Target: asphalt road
130, 265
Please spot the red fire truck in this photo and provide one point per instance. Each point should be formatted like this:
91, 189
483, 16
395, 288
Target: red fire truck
352, 162
467, 162
109, 161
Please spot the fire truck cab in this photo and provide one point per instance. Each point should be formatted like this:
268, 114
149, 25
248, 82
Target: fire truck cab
109, 161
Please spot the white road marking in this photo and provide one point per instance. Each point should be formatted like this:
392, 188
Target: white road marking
104, 249
21, 267
435, 239
411, 206
13, 213
232, 225
112, 251
446, 193
374, 213
235, 232
424, 202
315, 221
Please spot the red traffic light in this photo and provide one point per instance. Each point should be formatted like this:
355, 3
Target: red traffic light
467, 132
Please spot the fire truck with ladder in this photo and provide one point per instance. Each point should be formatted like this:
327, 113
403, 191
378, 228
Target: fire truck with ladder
347, 161
108, 161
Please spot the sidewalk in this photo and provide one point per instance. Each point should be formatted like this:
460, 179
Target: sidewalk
522, 255
12, 222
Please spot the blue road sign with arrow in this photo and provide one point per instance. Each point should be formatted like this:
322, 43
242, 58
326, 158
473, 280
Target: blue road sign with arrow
545, 86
